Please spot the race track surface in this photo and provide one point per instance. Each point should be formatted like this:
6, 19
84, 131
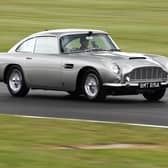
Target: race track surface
130, 109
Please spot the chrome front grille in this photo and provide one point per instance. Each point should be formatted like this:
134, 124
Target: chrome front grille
147, 73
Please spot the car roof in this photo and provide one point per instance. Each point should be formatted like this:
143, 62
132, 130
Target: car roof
56, 32
65, 31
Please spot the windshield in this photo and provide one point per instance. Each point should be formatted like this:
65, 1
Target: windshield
87, 42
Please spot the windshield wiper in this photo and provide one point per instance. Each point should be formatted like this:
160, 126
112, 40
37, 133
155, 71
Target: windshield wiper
89, 50
94, 49
115, 49
100, 49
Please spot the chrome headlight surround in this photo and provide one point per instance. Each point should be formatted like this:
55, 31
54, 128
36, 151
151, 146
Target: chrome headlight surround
116, 69
167, 70
167, 66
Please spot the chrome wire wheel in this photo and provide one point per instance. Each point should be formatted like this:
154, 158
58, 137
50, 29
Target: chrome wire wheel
91, 86
15, 81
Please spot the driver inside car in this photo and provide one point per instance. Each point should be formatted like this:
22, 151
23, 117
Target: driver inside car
84, 43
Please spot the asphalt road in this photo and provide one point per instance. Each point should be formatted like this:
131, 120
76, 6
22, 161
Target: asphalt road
130, 109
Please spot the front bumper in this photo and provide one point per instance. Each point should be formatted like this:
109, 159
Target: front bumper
129, 88
119, 85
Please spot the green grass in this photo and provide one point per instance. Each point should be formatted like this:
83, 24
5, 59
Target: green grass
136, 25
26, 143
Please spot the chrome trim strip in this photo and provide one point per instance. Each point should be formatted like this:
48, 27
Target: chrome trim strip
164, 83
127, 84
120, 84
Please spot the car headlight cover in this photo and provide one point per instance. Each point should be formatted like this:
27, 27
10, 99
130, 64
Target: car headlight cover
116, 68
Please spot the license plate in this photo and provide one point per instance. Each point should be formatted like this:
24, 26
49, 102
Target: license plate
145, 85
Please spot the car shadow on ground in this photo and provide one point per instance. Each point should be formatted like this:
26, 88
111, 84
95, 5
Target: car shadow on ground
136, 99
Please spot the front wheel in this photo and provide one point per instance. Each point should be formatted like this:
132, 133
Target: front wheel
92, 86
16, 83
154, 95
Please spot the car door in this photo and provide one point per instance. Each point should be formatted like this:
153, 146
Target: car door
42, 67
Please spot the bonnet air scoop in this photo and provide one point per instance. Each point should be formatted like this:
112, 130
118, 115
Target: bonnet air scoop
132, 58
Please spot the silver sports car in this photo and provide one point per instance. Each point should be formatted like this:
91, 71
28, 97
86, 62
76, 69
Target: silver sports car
81, 62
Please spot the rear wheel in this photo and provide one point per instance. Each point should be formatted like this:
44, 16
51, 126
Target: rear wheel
92, 86
154, 95
16, 83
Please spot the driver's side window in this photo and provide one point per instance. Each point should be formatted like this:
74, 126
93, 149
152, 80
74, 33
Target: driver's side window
74, 44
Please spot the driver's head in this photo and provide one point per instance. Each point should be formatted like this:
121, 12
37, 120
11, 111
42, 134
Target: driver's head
84, 43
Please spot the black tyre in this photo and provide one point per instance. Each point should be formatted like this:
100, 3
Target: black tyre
154, 95
92, 86
16, 83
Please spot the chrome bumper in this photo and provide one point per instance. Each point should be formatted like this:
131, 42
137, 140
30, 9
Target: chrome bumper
129, 84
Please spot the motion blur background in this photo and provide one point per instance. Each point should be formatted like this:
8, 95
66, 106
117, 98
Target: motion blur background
136, 25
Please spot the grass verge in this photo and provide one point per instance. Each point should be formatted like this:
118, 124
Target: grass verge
26, 142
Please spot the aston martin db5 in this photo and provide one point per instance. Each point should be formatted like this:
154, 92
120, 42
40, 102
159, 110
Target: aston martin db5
81, 62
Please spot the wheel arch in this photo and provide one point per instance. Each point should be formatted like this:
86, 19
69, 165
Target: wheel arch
81, 73
7, 69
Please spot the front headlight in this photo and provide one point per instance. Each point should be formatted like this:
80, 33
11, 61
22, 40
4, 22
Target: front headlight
116, 68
